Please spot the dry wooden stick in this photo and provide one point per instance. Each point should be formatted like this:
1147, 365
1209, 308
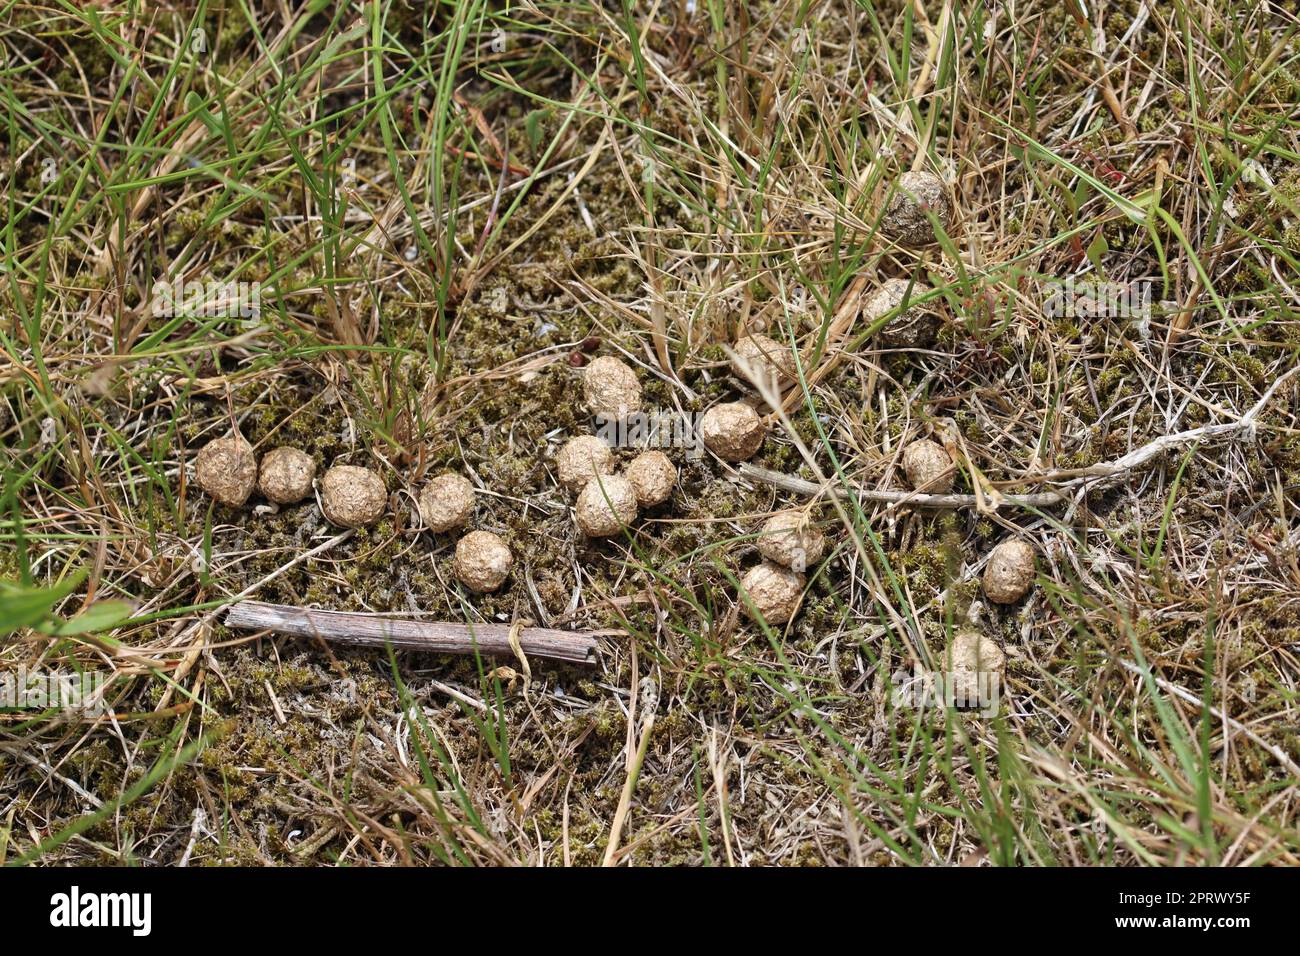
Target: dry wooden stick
370, 630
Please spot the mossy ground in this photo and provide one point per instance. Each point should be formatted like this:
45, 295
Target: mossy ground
767, 747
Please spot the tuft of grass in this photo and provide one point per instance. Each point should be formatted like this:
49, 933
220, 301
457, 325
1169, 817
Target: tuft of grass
445, 208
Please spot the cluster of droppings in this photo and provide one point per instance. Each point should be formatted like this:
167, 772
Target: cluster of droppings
228, 471
607, 502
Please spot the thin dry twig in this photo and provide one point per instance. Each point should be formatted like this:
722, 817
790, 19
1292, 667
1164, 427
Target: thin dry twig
1094, 477
439, 637
914, 499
